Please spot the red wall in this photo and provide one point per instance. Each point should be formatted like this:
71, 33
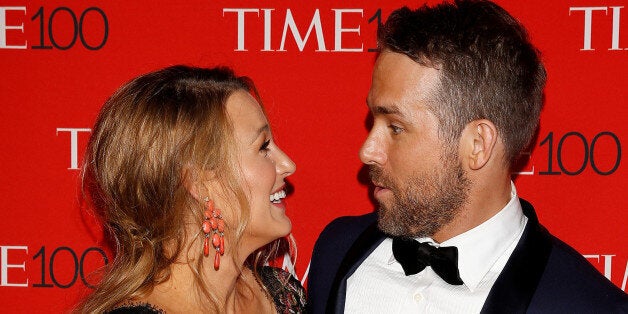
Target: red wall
59, 61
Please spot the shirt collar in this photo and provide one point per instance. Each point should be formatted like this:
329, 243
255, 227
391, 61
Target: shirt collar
480, 247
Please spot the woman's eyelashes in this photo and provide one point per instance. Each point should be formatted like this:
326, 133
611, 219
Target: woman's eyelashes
265, 147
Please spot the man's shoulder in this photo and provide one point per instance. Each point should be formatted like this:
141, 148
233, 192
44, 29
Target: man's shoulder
339, 234
329, 251
349, 224
568, 282
570, 279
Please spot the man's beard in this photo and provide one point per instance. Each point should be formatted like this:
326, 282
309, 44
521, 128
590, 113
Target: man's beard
427, 202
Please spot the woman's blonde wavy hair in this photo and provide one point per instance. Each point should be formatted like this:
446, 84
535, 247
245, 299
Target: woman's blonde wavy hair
147, 137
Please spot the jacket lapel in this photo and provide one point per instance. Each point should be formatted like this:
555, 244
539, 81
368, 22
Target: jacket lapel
515, 286
361, 248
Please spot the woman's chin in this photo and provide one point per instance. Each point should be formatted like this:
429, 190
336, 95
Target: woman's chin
283, 226
278, 228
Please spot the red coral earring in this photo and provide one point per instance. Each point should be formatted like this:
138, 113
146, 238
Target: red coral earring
214, 228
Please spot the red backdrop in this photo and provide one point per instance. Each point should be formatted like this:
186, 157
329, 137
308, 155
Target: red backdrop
60, 60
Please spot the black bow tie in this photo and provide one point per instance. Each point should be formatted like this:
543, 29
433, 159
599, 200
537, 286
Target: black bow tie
415, 256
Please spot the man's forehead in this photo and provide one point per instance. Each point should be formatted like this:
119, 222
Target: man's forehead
401, 86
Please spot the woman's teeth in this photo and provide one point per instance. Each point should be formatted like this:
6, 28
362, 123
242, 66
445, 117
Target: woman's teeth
276, 197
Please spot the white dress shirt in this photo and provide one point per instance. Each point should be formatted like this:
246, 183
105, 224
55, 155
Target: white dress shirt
379, 285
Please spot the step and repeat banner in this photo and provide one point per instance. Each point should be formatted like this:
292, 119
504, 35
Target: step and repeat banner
312, 61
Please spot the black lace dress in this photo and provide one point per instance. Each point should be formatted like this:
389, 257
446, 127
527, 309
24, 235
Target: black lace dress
286, 291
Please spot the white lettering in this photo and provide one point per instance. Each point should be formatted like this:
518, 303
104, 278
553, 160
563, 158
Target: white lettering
591, 256
267, 29
287, 264
241, 13
608, 263
73, 144
525, 173
4, 266
339, 30
623, 283
315, 24
307, 272
615, 40
588, 16
4, 27
290, 28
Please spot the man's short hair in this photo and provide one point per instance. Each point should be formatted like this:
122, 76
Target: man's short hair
488, 67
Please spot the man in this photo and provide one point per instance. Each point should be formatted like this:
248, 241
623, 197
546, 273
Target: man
455, 98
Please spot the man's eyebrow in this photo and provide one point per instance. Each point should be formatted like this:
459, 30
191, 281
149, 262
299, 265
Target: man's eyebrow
386, 110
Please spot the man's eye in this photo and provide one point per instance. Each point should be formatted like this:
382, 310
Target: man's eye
395, 129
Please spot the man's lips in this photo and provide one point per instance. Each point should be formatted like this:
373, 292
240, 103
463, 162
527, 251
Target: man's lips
381, 186
379, 190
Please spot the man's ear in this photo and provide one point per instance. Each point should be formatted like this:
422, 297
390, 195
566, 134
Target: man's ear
479, 138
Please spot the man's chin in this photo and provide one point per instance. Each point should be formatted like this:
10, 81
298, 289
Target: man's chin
389, 224
396, 226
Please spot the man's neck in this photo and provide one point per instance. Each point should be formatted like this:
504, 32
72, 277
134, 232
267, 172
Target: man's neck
483, 202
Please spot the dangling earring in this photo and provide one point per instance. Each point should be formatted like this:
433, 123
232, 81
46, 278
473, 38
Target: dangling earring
214, 227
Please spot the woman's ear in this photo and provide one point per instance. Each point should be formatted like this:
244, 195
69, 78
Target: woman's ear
192, 182
199, 183
480, 137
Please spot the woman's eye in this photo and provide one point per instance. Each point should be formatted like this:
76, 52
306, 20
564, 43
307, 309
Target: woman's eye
264, 147
395, 129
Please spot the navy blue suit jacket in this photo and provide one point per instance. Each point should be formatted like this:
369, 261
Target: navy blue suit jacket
543, 274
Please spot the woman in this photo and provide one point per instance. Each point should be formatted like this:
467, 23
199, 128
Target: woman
184, 172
